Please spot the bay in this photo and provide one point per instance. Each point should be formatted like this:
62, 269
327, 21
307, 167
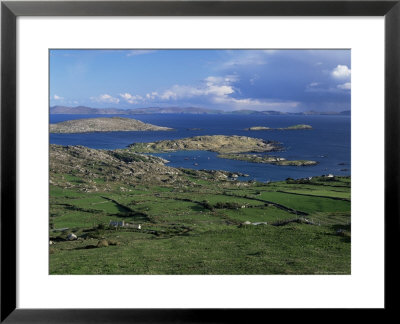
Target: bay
328, 142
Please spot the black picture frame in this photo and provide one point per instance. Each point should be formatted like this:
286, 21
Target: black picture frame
10, 10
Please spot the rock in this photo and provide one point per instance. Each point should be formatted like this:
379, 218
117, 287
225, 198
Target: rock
51, 243
246, 223
102, 243
260, 223
71, 237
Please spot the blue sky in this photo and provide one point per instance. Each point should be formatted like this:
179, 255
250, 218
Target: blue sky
283, 80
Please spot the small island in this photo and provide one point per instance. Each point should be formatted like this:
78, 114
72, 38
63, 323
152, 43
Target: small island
214, 143
263, 128
103, 124
258, 158
296, 127
258, 128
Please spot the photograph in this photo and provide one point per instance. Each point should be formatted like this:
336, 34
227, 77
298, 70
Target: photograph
199, 161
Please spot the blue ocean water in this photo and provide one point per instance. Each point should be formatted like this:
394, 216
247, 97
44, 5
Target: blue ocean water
328, 142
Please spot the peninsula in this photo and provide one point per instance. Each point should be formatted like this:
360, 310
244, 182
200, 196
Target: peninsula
103, 124
214, 143
258, 158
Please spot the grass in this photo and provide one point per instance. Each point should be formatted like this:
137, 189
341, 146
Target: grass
296, 249
306, 204
180, 235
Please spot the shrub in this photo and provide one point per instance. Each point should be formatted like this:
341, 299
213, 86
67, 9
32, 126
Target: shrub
227, 205
206, 205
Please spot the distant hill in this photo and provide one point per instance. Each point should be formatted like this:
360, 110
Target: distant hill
334, 113
83, 110
345, 112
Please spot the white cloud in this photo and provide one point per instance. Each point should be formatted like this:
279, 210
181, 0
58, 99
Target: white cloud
248, 103
140, 52
152, 96
55, 97
218, 91
215, 90
341, 72
132, 99
319, 88
105, 98
345, 86
254, 79
212, 86
237, 58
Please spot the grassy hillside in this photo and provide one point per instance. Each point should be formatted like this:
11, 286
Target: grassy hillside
191, 221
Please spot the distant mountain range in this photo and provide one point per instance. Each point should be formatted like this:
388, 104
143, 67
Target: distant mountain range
137, 111
82, 110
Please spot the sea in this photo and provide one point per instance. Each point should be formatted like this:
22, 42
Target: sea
328, 142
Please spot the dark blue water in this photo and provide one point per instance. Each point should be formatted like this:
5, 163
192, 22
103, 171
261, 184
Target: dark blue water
328, 142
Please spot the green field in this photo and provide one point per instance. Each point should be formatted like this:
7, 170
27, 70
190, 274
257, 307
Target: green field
198, 228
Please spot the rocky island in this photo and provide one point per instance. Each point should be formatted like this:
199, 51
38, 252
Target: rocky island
258, 128
294, 127
214, 143
103, 124
258, 158
228, 147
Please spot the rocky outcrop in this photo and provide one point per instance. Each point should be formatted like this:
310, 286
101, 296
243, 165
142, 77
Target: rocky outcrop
92, 170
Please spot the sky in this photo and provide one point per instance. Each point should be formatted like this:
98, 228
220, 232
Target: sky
281, 80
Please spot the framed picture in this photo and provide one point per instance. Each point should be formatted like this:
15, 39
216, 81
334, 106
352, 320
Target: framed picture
163, 159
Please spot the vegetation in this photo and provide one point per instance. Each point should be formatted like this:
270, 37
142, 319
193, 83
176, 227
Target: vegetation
192, 222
